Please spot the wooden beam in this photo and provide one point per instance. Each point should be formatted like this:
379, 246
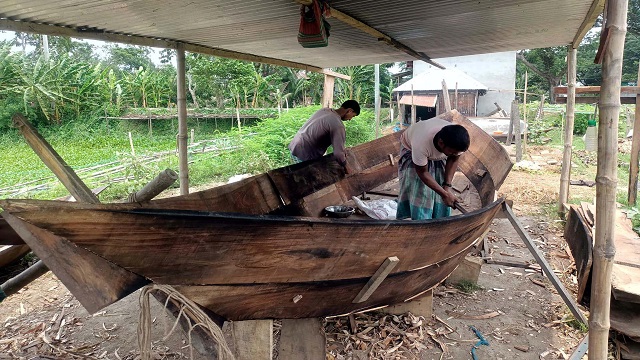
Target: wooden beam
594, 89
327, 91
565, 173
50, 157
445, 96
94, 34
597, 6
524, 235
376, 279
335, 74
594, 99
353, 22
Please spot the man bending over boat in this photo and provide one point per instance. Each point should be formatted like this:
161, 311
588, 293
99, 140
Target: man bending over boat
429, 153
324, 128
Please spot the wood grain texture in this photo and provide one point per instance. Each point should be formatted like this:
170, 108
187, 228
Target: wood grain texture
225, 248
94, 281
8, 236
10, 253
261, 301
580, 243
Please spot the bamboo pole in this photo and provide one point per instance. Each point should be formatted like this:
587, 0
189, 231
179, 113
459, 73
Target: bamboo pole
606, 179
632, 193
182, 121
524, 108
413, 107
565, 174
377, 98
517, 131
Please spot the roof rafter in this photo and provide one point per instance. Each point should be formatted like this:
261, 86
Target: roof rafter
594, 11
83, 33
353, 22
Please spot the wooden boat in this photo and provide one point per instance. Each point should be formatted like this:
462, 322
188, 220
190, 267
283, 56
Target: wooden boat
258, 248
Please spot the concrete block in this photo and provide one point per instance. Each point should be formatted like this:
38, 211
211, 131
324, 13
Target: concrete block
420, 306
468, 270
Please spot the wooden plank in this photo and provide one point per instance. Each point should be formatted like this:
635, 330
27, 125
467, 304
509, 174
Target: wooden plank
315, 299
302, 339
597, 7
327, 91
445, 96
94, 281
595, 89
564, 294
10, 253
50, 157
625, 279
594, 99
253, 339
336, 74
377, 279
581, 349
8, 236
580, 240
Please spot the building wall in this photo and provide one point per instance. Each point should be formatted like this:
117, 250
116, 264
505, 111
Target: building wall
497, 71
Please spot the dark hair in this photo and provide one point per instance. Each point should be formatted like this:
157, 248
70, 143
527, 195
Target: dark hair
455, 137
353, 105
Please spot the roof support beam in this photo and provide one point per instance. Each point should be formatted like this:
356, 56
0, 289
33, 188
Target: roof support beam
93, 34
594, 11
351, 21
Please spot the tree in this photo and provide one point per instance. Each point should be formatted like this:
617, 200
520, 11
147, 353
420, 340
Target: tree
548, 66
129, 58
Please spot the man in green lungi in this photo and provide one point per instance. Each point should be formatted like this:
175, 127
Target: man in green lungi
429, 154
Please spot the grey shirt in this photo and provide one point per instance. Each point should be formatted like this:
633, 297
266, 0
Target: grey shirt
323, 129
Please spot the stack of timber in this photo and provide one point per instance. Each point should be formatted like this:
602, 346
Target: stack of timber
259, 248
625, 285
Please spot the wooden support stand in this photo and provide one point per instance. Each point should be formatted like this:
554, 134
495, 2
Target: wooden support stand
253, 339
564, 294
302, 339
468, 270
419, 306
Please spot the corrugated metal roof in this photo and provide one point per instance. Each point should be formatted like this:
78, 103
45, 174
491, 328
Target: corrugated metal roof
419, 100
269, 28
431, 80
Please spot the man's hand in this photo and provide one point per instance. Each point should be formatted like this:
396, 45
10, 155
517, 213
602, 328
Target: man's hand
449, 199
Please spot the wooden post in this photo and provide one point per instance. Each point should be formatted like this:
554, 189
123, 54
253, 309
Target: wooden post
565, 174
455, 97
540, 113
52, 159
377, 99
413, 108
327, 91
154, 187
604, 248
302, 339
632, 193
133, 149
517, 132
182, 121
445, 97
253, 339
524, 110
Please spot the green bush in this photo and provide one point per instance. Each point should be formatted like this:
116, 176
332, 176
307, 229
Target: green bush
580, 123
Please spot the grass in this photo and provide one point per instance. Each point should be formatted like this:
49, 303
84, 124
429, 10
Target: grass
468, 287
87, 144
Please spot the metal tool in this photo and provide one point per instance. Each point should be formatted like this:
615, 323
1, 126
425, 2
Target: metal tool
459, 207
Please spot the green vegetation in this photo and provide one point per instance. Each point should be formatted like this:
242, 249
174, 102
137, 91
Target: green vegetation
468, 287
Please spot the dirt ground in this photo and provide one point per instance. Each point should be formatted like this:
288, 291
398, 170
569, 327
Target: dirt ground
515, 309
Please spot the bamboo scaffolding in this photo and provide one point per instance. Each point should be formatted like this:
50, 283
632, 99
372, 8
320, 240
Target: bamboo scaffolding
182, 121
565, 175
604, 248
632, 193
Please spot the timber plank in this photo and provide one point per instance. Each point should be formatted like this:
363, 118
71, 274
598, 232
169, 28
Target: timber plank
8, 236
94, 281
625, 279
10, 253
578, 236
318, 299
211, 250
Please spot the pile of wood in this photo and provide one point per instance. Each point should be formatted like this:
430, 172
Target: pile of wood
625, 285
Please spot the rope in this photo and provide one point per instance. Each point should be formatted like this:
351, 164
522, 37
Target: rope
189, 310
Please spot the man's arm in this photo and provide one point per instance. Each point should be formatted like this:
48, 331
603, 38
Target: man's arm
450, 168
447, 197
338, 139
